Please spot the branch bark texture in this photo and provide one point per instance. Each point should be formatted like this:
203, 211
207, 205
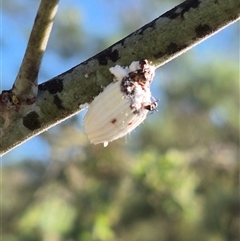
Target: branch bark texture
159, 41
26, 83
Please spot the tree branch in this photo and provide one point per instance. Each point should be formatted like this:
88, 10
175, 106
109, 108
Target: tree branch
159, 41
25, 86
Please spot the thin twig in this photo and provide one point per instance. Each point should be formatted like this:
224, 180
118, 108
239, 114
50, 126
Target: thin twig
25, 86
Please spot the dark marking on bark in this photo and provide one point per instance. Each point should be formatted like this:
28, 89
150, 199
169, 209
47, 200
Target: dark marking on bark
149, 25
52, 86
5, 97
104, 56
181, 9
31, 121
159, 55
171, 49
174, 48
202, 30
32, 71
58, 102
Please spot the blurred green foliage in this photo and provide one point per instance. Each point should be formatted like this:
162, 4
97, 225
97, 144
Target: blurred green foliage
174, 179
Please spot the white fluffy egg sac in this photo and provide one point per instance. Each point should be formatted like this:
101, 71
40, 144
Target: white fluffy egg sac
123, 104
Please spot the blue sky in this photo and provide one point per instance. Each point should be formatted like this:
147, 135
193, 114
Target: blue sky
99, 18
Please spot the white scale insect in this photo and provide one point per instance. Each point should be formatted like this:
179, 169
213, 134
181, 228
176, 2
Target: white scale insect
123, 105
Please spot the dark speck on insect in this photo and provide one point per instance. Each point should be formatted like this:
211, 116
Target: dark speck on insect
113, 121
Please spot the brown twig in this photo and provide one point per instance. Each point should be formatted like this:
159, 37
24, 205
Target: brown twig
26, 84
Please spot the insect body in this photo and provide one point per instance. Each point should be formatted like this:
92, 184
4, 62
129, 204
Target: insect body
123, 105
